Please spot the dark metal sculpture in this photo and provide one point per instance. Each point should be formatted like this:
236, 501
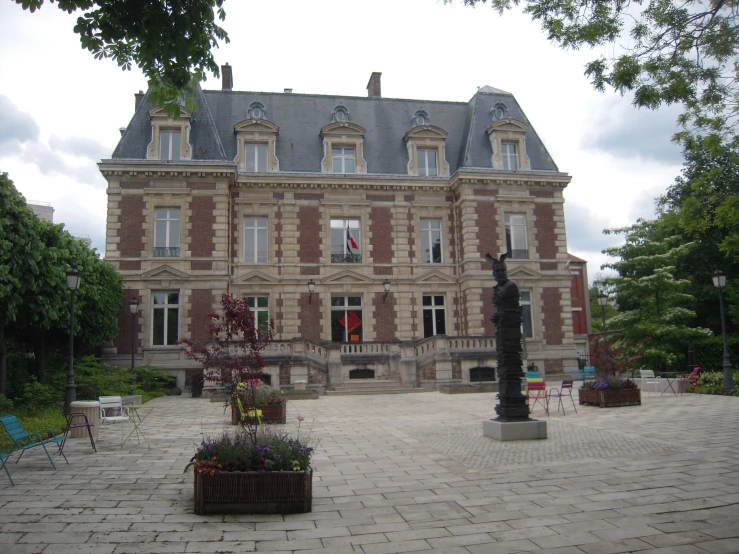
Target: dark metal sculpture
507, 320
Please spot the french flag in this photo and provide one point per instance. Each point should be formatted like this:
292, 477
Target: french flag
350, 242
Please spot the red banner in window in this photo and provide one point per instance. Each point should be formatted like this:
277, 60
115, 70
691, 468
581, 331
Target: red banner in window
352, 323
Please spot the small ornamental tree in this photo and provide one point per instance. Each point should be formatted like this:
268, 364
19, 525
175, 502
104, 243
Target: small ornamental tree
232, 353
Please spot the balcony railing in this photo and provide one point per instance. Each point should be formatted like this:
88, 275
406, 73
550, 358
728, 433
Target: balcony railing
166, 251
346, 258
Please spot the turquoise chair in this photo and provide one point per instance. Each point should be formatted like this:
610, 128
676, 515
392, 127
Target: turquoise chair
24, 441
3, 458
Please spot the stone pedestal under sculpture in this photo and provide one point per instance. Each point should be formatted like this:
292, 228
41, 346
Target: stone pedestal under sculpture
513, 421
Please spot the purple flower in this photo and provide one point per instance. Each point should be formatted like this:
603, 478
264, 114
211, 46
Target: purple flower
301, 418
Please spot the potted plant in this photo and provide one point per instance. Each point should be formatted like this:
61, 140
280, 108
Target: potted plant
261, 473
261, 396
610, 392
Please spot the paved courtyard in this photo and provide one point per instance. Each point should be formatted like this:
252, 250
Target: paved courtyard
405, 473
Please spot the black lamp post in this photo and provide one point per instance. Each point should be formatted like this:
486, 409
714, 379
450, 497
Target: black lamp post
603, 301
73, 283
719, 281
133, 307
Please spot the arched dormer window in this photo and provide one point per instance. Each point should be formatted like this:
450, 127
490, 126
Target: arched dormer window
498, 111
343, 146
508, 141
256, 111
420, 118
426, 146
340, 114
256, 143
170, 138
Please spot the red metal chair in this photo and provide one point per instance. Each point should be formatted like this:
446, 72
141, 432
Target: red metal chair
536, 391
564, 391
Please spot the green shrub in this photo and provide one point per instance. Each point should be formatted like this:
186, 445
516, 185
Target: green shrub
6, 405
94, 379
712, 382
37, 397
151, 378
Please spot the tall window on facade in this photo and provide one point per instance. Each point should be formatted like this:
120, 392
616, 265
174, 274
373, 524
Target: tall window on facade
434, 317
166, 232
169, 145
255, 156
510, 155
165, 327
255, 240
427, 162
431, 241
515, 235
343, 159
345, 241
259, 306
346, 318
526, 323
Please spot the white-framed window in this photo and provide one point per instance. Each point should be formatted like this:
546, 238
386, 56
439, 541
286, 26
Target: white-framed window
434, 316
255, 157
165, 329
255, 240
527, 328
166, 232
343, 159
259, 306
346, 319
346, 243
427, 166
509, 150
169, 144
516, 236
431, 241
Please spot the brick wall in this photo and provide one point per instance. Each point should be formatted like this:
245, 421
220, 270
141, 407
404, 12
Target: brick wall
309, 238
123, 342
132, 226
552, 307
487, 229
545, 231
201, 222
382, 242
385, 327
411, 236
309, 316
201, 304
487, 311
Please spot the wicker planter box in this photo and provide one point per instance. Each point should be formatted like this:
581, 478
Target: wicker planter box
251, 492
610, 398
270, 414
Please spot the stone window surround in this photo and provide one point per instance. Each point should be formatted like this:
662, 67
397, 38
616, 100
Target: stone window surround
347, 135
256, 131
508, 130
248, 209
427, 137
434, 309
532, 312
180, 306
523, 206
160, 121
433, 212
154, 202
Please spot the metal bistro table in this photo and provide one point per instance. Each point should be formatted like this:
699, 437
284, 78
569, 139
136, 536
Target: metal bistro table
138, 412
672, 379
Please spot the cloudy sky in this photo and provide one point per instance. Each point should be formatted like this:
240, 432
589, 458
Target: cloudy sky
61, 110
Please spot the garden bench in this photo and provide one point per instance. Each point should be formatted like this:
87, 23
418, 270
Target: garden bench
24, 441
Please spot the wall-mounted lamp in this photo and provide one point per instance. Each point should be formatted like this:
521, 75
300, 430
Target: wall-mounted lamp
386, 284
311, 288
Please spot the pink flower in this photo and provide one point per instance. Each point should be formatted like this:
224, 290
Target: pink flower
301, 418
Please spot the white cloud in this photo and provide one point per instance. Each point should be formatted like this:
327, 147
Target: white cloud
620, 158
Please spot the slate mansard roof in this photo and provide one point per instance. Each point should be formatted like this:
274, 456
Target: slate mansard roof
300, 118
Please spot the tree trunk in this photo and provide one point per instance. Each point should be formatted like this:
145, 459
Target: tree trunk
3, 357
39, 353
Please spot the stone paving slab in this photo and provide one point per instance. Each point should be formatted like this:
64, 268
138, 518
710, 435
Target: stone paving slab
404, 473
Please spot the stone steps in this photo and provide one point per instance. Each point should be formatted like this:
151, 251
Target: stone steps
373, 386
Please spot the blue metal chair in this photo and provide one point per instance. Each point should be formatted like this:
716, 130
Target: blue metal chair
25, 441
3, 458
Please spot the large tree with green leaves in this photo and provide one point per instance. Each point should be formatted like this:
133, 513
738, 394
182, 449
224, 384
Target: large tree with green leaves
171, 41
668, 51
655, 316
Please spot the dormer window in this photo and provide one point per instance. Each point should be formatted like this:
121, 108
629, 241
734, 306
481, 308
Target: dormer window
426, 149
343, 144
508, 142
170, 138
256, 140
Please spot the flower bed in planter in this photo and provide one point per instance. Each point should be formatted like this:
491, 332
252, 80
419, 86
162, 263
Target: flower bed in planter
610, 398
270, 414
252, 492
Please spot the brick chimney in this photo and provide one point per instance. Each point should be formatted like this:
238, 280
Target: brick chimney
139, 98
373, 87
227, 77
